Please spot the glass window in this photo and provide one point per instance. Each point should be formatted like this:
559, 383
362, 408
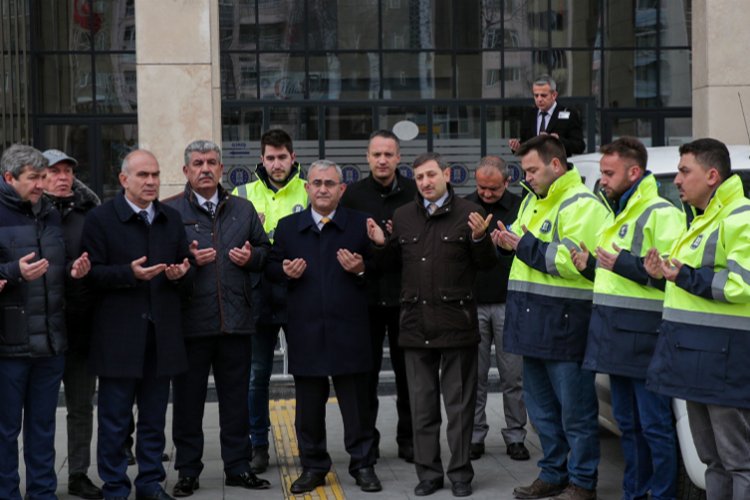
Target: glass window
113, 28
63, 25
417, 24
346, 76
115, 83
117, 140
630, 78
408, 76
678, 131
301, 123
468, 86
240, 124
640, 128
675, 23
390, 115
574, 23
675, 75
65, 84
282, 76
520, 68
348, 123
466, 17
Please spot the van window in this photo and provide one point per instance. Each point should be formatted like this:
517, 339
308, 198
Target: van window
668, 190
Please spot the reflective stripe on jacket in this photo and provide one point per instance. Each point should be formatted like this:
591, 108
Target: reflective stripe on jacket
704, 345
549, 301
627, 304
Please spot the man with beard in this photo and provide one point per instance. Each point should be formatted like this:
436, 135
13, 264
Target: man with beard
278, 192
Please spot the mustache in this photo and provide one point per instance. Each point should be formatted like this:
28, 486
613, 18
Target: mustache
205, 175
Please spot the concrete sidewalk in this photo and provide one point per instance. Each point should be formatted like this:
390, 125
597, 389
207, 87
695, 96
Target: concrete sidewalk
496, 474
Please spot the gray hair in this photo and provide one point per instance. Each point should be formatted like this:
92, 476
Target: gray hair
19, 156
325, 165
493, 163
546, 80
201, 146
125, 161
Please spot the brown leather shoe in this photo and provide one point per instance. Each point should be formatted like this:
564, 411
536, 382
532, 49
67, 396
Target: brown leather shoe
575, 492
539, 489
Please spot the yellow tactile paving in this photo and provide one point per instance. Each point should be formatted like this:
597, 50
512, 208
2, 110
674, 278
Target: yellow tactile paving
287, 454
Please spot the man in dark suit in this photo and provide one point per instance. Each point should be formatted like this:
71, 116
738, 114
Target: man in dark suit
323, 253
227, 241
140, 269
550, 117
379, 195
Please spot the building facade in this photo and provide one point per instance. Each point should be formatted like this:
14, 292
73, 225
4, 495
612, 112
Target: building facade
98, 77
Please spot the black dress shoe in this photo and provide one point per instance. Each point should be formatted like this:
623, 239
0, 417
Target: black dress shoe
185, 486
308, 481
406, 452
79, 485
517, 451
367, 480
476, 450
160, 494
129, 455
247, 480
428, 487
461, 488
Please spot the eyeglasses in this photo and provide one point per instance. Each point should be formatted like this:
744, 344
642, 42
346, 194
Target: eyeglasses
317, 184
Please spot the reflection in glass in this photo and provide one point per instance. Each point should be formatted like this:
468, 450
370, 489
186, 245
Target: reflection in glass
675, 75
675, 22
113, 25
678, 131
345, 76
640, 128
468, 84
65, 84
241, 124
417, 24
390, 115
409, 76
64, 25
116, 83
457, 122
117, 140
282, 76
348, 123
301, 123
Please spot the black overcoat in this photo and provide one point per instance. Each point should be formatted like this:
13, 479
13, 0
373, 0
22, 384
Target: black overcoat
328, 330
114, 236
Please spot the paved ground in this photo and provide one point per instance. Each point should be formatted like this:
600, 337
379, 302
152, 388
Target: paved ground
496, 474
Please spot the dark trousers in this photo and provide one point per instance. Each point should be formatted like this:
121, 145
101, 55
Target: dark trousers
386, 320
454, 373
115, 405
80, 385
264, 344
310, 420
28, 395
229, 355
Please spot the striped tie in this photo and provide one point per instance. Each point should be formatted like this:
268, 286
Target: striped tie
431, 208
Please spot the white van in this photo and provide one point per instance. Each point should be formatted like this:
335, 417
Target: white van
662, 162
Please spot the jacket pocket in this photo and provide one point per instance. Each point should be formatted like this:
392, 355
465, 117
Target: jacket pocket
701, 357
408, 315
457, 311
14, 326
453, 246
634, 337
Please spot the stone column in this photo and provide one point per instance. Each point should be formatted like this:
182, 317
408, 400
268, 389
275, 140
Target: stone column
721, 70
179, 92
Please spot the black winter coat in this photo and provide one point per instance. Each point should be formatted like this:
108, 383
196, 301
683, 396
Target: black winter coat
78, 296
114, 236
221, 302
380, 203
33, 319
491, 286
439, 263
